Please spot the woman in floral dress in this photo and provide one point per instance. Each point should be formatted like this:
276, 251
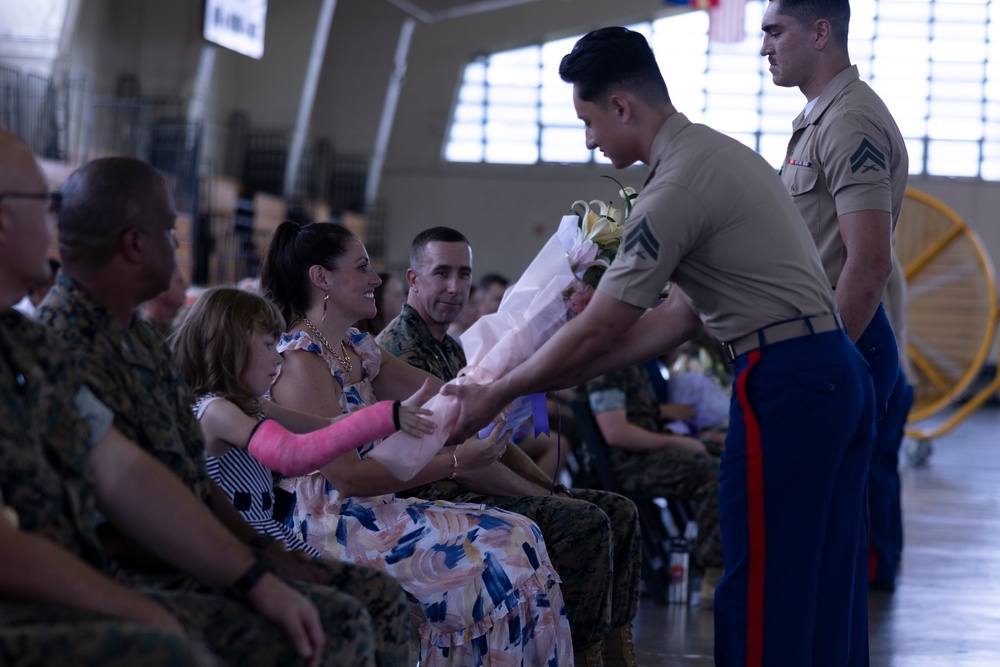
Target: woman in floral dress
482, 576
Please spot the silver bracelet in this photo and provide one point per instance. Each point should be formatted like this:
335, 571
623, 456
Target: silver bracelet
454, 458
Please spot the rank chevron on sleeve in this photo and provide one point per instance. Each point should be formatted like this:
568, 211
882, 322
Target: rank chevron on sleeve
867, 151
642, 239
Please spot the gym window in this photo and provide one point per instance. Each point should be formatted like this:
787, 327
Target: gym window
936, 63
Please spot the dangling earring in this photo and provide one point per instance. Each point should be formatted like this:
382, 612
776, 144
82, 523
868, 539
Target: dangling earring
326, 298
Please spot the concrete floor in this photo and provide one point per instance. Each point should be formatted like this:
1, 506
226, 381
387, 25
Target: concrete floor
945, 611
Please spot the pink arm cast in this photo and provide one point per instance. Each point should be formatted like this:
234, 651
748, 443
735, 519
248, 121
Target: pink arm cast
298, 454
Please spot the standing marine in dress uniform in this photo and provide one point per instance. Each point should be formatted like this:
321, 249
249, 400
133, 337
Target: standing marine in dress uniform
846, 168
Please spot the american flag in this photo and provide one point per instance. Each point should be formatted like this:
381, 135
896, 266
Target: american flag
726, 18
727, 21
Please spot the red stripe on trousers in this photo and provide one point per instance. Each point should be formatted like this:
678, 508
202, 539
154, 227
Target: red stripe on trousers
755, 511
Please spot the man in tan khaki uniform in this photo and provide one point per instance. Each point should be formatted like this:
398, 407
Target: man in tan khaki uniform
846, 169
714, 219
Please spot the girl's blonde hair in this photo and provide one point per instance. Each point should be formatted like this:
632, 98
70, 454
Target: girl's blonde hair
212, 344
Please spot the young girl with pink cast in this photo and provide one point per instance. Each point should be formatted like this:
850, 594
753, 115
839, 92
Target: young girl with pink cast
226, 351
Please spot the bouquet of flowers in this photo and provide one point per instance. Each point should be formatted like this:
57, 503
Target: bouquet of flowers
593, 242
555, 287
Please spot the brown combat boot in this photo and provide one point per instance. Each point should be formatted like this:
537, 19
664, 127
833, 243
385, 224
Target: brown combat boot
619, 651
589, 655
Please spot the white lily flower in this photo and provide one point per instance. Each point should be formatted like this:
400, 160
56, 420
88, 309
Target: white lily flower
599, 222
591, 236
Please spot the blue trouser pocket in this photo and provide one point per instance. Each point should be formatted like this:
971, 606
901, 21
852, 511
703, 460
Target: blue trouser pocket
878, 347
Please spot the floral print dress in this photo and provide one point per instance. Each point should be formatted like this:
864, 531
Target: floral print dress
482, 575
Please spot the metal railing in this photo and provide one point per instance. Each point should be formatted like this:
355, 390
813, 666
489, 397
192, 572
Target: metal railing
64, 120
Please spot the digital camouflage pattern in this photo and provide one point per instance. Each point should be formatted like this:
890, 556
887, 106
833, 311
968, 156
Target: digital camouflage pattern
660, 472
387, 604
46, 479
131, 371
214, 625
408, 338
240, 636
44, 470
55, 635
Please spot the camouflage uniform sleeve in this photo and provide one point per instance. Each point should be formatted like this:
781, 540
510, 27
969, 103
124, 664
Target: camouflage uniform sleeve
607, 400
414, 358
97, 415
46, 454
606, 393
401, 341
615, 380
389, 339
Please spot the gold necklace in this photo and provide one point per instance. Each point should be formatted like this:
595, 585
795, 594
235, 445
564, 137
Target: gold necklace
345, 361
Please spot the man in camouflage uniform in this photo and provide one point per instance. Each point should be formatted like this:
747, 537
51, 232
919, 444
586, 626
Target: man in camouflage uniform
592, 536
116, 226
648, 461
62, 462
67, 636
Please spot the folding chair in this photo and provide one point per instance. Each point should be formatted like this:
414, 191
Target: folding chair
656, 533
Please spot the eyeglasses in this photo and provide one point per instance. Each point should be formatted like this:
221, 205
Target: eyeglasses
52, 198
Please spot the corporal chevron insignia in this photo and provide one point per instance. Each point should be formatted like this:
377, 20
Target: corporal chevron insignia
867, 157
643, 241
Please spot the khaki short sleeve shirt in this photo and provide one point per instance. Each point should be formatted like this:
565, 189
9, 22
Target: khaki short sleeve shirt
715, 219
845, 155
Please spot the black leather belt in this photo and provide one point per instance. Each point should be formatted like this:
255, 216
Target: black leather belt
776, 333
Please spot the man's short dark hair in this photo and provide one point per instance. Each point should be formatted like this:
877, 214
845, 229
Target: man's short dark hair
807, 12
99, 202
440, 234
610, 58
493, 279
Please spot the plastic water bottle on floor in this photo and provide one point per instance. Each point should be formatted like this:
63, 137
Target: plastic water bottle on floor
679, 570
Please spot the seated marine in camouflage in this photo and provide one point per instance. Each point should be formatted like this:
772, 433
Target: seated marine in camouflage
116, 238
63, 463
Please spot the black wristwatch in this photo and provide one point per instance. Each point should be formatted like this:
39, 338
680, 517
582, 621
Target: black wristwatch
261, 566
